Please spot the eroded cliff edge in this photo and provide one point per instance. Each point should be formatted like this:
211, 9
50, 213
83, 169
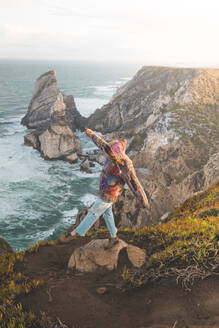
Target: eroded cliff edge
170, 117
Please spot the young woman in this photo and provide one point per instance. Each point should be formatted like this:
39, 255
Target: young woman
118, 170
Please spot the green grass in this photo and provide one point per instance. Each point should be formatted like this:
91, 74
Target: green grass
190, 238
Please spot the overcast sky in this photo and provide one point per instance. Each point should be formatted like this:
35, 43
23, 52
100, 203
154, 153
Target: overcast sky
146, 31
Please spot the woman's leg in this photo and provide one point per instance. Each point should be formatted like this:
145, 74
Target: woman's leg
98, 208
109, 219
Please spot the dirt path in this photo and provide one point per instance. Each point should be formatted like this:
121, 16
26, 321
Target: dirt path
72, 297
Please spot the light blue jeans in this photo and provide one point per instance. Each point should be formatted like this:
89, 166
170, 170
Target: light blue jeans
97, 209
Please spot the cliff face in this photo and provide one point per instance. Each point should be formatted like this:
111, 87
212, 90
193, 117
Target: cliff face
55, 118
152, 91
170, 117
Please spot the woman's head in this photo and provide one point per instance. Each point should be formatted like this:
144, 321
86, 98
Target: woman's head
118, 146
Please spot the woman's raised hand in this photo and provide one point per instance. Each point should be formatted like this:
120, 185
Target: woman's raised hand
88, 132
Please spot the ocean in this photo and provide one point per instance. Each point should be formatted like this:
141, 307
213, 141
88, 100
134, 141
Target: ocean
40, 199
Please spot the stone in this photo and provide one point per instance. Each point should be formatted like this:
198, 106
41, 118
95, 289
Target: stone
102, 290
85, 166
164, 217
94, 256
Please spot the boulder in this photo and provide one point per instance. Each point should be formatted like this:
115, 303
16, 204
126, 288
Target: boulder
58, 141
55, 141
5, 247
94, 256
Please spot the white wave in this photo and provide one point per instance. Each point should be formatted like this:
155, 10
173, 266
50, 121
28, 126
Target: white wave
14, 119
81, 174
70, 216
8, 121
86, 106
41, 235
109, 89
106, 91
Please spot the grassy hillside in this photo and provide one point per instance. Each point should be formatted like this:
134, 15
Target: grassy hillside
185, 248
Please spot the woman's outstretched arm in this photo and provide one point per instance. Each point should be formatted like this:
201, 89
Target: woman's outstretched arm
129, 176
99, 142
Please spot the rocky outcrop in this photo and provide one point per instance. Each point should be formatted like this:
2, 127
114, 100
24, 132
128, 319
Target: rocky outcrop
55, 118
94, 256
5, 247
48, 104
170, 117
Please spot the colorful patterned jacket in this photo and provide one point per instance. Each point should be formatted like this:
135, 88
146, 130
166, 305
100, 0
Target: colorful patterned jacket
118, 170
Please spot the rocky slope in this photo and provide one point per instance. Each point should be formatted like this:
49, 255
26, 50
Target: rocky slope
55, 118
170, 117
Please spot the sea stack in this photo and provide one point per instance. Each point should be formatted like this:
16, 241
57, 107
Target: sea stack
55, 118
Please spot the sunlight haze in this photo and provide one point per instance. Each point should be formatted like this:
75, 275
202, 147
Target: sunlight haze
150, 32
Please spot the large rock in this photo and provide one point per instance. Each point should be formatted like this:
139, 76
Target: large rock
55, 141
55, 117
58, 141
170, 117
93, 256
